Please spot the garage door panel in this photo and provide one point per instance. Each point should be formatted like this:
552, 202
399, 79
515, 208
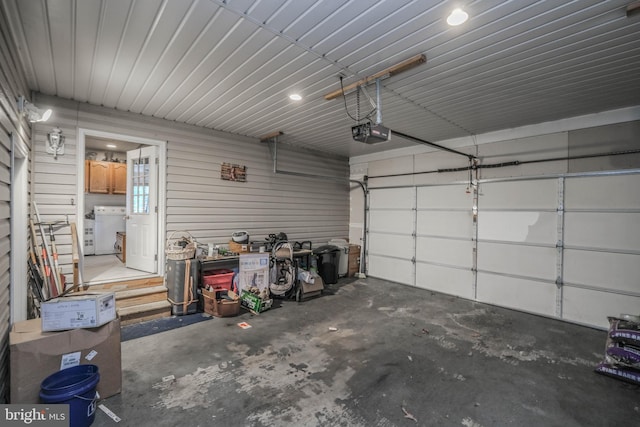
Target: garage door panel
617, 231
457, 253
530, 261
445, 196
391, 244
592, 307
521, 294
596, 192
527, 195
445, 223
524, 227
396, 198
392, 269
451, 281
619, 272
392, 221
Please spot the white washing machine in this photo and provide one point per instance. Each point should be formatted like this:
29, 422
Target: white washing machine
109, 221
89, 237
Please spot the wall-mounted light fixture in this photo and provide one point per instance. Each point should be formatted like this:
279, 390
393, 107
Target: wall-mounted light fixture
31, 112
55, 142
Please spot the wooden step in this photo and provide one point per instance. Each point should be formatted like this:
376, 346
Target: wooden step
143, 312
138, 300
124, 285
138, 296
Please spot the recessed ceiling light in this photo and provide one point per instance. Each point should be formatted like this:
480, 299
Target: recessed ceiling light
457, 17
295, 97
111, 145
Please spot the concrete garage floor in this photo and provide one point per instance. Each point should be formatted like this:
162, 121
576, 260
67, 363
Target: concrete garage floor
445, 360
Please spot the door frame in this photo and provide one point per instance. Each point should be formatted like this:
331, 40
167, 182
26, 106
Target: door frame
19, 226
162, 182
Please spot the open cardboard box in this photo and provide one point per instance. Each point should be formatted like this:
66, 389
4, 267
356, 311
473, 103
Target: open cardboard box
34, 355
221, 307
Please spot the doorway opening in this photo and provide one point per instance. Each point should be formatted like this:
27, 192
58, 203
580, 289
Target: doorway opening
109, 189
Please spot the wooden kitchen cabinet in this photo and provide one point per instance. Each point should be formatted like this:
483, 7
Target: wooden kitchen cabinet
119, 178
99, 177
105, 177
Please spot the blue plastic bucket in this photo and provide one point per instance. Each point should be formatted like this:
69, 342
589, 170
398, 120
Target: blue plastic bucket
75, 386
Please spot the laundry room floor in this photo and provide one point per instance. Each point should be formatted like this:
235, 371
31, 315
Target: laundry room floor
107, 268
372, 353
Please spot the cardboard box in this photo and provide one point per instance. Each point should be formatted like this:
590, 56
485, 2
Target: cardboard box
254, 272
239, 248
220, 307
34, 355
85, 310
254, 303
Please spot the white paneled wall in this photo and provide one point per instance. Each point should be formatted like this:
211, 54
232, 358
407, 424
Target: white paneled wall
14, 132
197, 200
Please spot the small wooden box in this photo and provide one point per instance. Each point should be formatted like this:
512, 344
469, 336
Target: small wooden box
239, 248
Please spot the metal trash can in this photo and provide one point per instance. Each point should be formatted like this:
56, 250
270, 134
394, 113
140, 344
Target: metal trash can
327, 256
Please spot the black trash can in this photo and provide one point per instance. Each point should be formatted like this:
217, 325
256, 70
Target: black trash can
327, 257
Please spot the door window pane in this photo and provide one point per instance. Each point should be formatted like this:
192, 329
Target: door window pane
140, 194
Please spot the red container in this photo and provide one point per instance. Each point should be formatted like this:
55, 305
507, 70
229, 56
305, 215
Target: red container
218, 280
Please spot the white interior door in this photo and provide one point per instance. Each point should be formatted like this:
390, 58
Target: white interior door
142, 209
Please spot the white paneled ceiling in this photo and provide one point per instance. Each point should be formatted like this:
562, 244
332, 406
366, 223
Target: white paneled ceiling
230, 65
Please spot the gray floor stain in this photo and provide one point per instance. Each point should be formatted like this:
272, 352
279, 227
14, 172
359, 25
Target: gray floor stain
359, 354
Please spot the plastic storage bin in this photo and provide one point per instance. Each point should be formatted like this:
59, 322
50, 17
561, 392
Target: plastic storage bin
218, 280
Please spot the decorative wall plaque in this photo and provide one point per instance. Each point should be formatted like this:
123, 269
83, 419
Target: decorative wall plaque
230, 172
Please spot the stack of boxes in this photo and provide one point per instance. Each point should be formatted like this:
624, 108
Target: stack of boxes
74, 330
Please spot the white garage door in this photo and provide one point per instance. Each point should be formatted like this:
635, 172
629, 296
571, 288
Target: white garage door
565, 247
517, 238
602, 248
390, 238
444, 240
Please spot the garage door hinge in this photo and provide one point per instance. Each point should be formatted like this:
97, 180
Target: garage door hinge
413, 260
